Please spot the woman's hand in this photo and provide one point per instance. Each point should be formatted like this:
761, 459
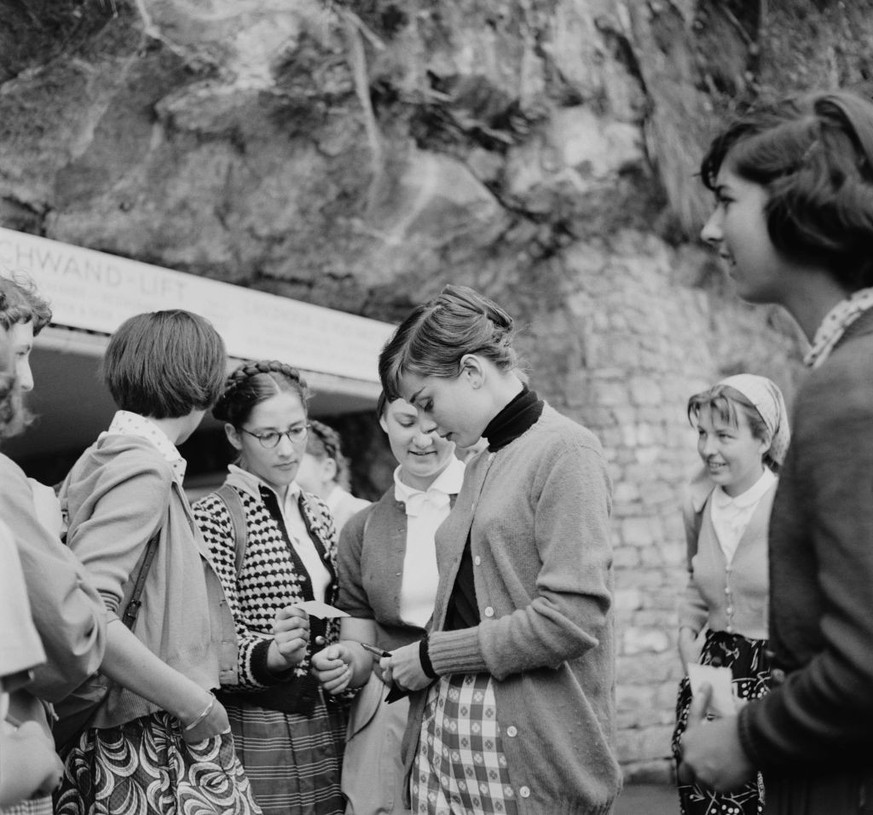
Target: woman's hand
290, 638
214, 723
712, 753
333, 667
29, 765
403, 668
688, 651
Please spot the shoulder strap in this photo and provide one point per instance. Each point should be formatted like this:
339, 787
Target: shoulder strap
234, 505
133, 606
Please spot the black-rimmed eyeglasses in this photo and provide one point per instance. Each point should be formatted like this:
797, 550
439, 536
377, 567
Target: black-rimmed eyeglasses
271, 438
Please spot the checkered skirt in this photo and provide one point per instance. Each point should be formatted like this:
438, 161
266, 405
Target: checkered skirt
460, 767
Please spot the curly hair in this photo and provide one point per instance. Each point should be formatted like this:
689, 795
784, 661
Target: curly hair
12, 415
813, 154
20, 303
254, 382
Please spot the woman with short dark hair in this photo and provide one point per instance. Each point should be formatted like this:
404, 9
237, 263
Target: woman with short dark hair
160, 731
793, 220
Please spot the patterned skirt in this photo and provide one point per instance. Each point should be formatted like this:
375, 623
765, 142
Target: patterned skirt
460, 767
144, 767
292, 760
750, 668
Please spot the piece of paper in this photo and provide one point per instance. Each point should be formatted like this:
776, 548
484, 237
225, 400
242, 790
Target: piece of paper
316, 608
722, 702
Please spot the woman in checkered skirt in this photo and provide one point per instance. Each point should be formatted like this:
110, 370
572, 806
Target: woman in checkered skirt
278, 552
513, 710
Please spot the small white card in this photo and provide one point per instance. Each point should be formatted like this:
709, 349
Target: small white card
722, 702
316, 608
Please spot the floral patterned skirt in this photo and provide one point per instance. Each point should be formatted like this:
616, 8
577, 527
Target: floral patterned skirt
144, 767
750, 668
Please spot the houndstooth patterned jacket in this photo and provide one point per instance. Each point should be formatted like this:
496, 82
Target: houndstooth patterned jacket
272, 575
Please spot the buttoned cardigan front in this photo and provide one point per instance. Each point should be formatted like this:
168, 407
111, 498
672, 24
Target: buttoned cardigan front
537, 515
728, 597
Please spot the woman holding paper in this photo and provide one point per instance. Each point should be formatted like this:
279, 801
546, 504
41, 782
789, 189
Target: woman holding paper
274, 548
388, 584
742, 438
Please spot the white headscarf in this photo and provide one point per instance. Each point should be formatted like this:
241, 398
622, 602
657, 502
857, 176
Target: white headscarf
767, 399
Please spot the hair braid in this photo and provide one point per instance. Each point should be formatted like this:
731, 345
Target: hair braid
253, 382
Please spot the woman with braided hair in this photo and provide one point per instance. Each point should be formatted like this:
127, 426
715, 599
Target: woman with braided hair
324, 471
274, 547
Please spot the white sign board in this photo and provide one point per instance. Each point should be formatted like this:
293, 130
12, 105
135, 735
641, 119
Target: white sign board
97, 291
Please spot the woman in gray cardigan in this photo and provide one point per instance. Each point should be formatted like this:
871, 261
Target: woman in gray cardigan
514, 708
388, 579
794, 220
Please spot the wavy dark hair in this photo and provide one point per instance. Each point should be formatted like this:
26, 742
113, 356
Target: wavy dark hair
814, 156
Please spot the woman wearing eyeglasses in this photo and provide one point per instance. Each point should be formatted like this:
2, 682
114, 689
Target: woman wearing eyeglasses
289, 736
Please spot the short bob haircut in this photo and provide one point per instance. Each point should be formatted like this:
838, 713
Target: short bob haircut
432, 340
164, 364
20, 303
814, 156
725, 403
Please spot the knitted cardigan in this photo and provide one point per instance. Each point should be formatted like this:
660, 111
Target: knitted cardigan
537, 515
731, 599
270, 579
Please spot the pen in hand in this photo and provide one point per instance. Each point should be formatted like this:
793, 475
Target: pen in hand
374, 650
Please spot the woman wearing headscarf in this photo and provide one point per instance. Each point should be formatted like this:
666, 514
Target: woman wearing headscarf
742, 439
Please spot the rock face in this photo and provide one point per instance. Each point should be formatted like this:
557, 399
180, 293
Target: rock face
359, 155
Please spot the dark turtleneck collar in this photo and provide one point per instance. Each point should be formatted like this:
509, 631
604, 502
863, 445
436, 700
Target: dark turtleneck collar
514, 419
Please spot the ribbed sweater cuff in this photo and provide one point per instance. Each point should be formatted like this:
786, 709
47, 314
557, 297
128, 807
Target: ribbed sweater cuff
261, 671
453, 652
744, 727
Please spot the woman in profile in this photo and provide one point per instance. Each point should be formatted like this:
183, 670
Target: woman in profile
793, 219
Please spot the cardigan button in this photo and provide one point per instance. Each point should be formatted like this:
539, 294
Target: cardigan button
524, 792
512, 731
477, 561
489, 612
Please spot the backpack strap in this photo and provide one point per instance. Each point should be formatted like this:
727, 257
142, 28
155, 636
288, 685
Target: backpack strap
231, 499
133, 605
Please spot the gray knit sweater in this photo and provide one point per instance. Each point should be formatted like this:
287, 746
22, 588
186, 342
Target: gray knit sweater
537, 513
